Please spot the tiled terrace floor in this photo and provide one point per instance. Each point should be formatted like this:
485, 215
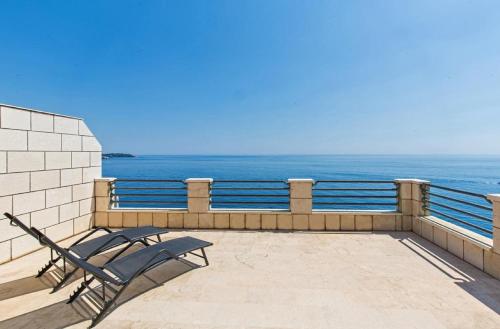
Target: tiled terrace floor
278, 280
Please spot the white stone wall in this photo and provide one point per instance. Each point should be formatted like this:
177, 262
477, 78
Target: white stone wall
48, 163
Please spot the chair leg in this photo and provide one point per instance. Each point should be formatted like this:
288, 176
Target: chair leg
47, 267
79, 290
106, 307
204, 256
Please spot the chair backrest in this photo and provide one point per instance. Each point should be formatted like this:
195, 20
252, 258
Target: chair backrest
17, 222
92, 269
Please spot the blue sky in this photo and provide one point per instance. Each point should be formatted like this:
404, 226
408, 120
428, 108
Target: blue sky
262, 77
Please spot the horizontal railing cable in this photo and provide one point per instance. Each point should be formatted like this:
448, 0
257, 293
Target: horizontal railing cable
151, 188
467, 223
358, 203
136, 193
152, 201
251, 188
482, 196
460, 211
356, 189
458, 206
150, 180
461, 201
355, 181
235, 193
249, 181
150, 194
355, 194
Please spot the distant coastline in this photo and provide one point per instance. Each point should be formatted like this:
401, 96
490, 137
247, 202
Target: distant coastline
117, 155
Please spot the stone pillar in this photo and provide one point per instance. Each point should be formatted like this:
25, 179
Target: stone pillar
198, 194
102, 191
492, 257
410, 201
495, 200
300, 195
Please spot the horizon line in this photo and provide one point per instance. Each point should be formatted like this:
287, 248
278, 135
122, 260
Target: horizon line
312, 154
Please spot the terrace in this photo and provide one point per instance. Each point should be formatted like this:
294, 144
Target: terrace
287, 253
278, 280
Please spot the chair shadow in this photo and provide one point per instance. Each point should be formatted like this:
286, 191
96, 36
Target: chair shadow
26, 286
62, 315
478, 284
48, 280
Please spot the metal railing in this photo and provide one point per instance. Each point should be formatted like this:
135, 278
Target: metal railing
466, 209
470, 210
149, 193
355, 194
253, 194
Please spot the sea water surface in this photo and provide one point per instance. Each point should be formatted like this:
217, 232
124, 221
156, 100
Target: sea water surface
475, 173
479, 174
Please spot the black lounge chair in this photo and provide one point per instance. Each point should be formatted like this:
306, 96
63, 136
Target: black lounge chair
117, 273
86, 249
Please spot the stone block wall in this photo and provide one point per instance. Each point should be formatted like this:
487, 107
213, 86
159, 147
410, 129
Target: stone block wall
471, 247
251, 220
48, 163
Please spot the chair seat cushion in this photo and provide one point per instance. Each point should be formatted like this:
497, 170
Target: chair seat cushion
125, 267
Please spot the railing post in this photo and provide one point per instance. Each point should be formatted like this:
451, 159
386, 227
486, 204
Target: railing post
411, 196
102, 192
198, 193
300, 195
495, 200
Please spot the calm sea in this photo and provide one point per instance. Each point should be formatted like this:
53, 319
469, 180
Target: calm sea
475, 173
480, 174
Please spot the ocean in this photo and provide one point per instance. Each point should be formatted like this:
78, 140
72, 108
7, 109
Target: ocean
479, 174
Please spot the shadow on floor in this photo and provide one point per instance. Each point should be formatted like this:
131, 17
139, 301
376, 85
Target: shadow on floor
62, 315
479, 284
48, 280
26, 286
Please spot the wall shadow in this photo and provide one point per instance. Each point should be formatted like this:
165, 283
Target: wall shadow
477, 283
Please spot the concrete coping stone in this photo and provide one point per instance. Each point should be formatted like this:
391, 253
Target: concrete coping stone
38, 111
460, 232
105, 179
411, 180
244, 210
199, 180
301, 180
493, 197
266, 211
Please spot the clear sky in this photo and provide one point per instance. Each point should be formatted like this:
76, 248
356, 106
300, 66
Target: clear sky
261, 77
